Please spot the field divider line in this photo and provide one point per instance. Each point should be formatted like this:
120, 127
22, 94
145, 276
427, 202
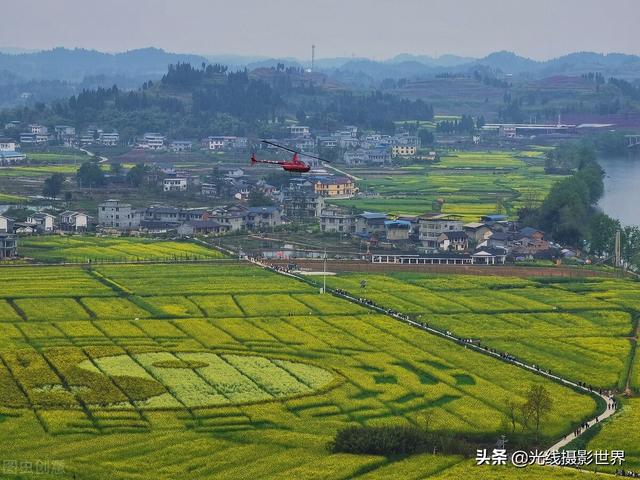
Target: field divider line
607, 399
251, 380
92, 360
12, 303
24, 392
83, 405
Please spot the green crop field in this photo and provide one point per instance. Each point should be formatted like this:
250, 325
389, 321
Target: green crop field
471, 183
579, 329
621, 432
184, 371
82, 249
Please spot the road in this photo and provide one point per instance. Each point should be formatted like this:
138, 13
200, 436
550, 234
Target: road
102, 159
352, 177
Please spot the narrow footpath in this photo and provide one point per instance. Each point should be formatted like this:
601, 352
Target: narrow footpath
608, 399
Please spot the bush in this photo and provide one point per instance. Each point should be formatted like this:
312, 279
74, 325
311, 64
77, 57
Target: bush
397, 440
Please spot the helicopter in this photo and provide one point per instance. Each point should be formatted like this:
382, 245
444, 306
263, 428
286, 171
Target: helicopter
295, 165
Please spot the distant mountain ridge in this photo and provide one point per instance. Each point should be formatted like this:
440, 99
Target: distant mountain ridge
73, 65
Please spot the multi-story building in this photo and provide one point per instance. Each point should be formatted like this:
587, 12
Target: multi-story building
174, 184
8, 246
119, 215
263, 218
73, 221
403, 150
370, 223
178, 146
342, 187
299, 131
109, 139
153, 141
9, 157
7, 145
336, 220
432, 225
42, 222
38, 129
5, 224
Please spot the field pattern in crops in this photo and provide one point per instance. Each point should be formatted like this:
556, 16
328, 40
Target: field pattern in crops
579, 329
255, 394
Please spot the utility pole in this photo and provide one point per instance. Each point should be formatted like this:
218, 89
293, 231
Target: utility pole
313, 56
617, 250
324, 273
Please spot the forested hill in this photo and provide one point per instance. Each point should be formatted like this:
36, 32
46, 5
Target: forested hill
193, 102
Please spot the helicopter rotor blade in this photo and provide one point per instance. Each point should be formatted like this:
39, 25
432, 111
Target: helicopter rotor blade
295, 151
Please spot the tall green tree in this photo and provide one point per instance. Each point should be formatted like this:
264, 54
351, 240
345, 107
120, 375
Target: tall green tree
90, 175
53, 185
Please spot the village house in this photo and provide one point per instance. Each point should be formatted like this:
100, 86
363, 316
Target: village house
202, 227
432, 225
109, 139
118, 215
153, 141
263, 218
5, 224
403, 151
42, 222
7, 145
179, 146
233, 217
370, 223
339, 187
8, 246
336, 220
397, 230
453, 241
174, 184
299, 131
477, 232
11, 157
73, 221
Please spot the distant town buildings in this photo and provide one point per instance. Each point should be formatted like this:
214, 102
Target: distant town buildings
118, 215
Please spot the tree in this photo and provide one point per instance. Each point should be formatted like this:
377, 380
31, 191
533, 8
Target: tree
511, 413
538, 403
116, 169
53, 185
90, 175
426, 137
137, 175
602, 231
257, 198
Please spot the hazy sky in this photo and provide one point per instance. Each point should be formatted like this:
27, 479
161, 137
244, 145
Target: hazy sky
372, 28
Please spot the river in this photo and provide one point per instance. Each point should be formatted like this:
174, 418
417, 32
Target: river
621, 197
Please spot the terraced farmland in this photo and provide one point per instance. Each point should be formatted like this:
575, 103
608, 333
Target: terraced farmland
471, 183
580, 330
83, 249
181, 371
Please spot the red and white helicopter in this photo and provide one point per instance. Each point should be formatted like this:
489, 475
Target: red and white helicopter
295, 165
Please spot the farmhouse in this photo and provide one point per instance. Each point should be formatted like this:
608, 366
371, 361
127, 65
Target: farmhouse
403, 150
5, 224
261, 218
178, 146
73, 221
370, 223
477, 232
335, 187
432, 225
397, 229
115, 214
453, 241
109, 139
153, 141
336, 220
174, 184
8, 246
11, 157
202, 227
42, 222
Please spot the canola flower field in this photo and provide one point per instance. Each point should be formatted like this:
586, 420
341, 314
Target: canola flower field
231, 371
